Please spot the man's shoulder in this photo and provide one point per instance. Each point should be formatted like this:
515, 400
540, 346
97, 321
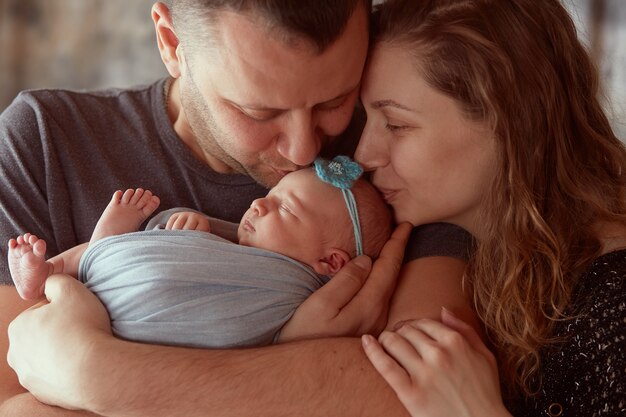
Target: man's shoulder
98, 109
54, 97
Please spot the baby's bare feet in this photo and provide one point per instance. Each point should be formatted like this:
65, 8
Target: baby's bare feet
28, 265
125, 213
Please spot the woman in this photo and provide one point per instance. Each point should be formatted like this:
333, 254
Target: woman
483, 113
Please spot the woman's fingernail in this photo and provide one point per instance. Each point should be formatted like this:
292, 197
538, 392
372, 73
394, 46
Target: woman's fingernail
366, 339
448, 312
400, 324
363, 261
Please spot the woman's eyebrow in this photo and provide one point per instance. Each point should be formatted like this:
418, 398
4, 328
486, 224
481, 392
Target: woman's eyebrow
390, 103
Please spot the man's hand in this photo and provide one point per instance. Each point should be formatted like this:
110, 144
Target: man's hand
355, 301
49, 342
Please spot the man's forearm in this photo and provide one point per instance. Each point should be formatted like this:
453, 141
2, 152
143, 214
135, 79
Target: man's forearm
309, 378
26, 405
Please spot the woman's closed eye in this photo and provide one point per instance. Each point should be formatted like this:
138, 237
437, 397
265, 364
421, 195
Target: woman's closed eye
395, 127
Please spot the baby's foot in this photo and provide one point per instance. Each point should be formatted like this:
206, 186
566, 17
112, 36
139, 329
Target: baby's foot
125, 213
28, 265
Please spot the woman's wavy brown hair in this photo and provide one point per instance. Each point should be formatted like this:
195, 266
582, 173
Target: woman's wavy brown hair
519, 65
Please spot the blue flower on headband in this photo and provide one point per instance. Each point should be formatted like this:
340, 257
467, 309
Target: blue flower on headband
341, 172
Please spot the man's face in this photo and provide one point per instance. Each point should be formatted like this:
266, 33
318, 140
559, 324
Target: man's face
264, 107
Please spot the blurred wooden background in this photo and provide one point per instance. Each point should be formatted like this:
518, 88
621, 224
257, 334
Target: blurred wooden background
100, 43
76, 44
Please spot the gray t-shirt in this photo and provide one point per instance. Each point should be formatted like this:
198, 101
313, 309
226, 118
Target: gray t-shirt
63, 154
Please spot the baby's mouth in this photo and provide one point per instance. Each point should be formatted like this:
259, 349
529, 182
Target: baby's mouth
248, 226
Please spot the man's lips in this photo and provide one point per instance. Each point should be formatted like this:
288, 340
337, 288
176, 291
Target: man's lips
281, 172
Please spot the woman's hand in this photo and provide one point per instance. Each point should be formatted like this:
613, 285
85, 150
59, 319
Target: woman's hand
438, 369
188, 220
356, 300
49, 343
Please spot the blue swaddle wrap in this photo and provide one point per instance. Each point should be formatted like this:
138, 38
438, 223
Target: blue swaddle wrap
195, 289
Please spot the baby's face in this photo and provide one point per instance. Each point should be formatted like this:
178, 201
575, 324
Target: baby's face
297, 218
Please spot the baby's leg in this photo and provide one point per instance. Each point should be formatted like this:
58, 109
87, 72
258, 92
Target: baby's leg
28, 266
125, 213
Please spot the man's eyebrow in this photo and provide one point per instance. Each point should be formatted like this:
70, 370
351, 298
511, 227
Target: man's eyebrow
253, 106
390, 103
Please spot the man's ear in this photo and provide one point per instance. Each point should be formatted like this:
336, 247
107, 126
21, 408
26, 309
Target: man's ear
167, 40
334, 259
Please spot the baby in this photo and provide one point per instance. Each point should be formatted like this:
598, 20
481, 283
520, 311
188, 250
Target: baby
184, 286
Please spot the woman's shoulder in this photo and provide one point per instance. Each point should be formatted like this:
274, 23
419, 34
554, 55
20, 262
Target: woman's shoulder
605, 277
586, 371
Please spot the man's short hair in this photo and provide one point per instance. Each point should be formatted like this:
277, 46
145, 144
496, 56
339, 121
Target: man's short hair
319, 22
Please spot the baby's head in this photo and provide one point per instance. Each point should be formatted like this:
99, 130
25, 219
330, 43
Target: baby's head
308, 220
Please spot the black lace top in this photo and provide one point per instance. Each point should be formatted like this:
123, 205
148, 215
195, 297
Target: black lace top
586, 374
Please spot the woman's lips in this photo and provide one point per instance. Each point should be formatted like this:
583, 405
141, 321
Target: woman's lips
388, 195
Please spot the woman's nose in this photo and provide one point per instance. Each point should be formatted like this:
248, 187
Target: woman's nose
371, 152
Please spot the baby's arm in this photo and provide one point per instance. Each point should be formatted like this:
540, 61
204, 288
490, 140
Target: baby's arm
30, 269
188, 220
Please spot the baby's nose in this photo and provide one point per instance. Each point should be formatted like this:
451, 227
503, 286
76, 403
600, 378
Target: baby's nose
259, 206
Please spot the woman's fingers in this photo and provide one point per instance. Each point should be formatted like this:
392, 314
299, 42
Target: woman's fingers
395, 375
405, 346
447, 340
356, 300
381, 282
382, 279
452, 321
340, 290
473, 338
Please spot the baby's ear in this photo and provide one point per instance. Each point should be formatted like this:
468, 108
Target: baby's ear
334, 259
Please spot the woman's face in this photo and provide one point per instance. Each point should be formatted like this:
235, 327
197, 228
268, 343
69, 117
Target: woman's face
429, 161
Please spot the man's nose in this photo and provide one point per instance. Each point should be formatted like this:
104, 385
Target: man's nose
301, 140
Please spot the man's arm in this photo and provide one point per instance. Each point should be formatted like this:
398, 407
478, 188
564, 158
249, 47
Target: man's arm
319, 377
119, 378
67, 342
14, 401
10, 306
308, 378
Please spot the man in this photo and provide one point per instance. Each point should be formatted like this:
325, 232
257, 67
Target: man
259, 88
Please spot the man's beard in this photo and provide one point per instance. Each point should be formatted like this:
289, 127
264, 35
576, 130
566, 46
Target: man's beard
205, 131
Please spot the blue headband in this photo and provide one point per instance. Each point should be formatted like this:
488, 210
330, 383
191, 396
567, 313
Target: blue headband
342, 172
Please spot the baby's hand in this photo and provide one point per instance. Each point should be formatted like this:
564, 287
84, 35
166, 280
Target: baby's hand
188, 220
